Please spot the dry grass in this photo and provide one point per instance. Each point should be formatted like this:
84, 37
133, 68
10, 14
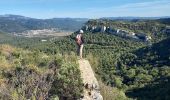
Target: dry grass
111, 93
6, 49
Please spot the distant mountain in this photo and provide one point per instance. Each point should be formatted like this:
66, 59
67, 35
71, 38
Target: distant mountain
134, 18
17, 23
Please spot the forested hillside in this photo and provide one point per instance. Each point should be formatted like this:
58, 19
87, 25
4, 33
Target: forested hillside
127, 68
145, 30
148, 65
16, 23
139, 69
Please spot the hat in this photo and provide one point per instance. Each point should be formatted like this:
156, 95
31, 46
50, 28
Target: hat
81, 31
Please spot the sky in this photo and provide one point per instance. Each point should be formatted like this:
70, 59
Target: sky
85, 8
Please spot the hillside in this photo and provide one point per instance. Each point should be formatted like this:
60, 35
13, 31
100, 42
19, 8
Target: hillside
132, 66
141, 30
35, 75
16, 23
156, 55
126, 68
149, 65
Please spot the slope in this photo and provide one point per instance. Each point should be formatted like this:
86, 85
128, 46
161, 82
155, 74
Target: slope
91, 90
16, 23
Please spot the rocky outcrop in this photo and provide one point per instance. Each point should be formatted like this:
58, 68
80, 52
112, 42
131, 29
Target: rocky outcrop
94, 28
103, 28
91, 85
117, 32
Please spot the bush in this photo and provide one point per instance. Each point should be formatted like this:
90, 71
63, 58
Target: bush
68, 84
35, 75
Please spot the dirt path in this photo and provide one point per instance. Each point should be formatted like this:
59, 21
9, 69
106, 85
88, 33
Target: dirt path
91, 90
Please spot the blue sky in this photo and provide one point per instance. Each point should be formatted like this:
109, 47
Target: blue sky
85, 8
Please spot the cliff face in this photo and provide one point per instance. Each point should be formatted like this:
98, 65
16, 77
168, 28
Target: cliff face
107, 27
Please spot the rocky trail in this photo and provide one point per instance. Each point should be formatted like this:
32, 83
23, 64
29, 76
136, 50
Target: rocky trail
91, 86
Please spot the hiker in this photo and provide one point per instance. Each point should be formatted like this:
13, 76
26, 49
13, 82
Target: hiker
80, 43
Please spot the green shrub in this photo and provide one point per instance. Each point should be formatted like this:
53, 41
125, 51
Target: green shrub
68, 84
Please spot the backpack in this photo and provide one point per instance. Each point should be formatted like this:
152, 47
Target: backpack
78, 39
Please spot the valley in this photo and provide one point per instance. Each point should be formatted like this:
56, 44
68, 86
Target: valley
126, 68
43, 33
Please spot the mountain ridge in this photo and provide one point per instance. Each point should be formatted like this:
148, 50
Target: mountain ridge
17, 23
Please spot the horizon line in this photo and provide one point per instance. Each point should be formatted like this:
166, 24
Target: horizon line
88, 17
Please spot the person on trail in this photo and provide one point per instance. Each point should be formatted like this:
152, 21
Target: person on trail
80, 43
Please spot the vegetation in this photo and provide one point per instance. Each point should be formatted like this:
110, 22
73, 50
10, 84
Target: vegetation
35, 75
16, 23
138, 69
127, 68
153, 28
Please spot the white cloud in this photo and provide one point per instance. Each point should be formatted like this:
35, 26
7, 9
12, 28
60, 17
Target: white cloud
148, 9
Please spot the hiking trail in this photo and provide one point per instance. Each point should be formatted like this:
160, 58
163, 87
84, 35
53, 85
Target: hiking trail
91, 86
